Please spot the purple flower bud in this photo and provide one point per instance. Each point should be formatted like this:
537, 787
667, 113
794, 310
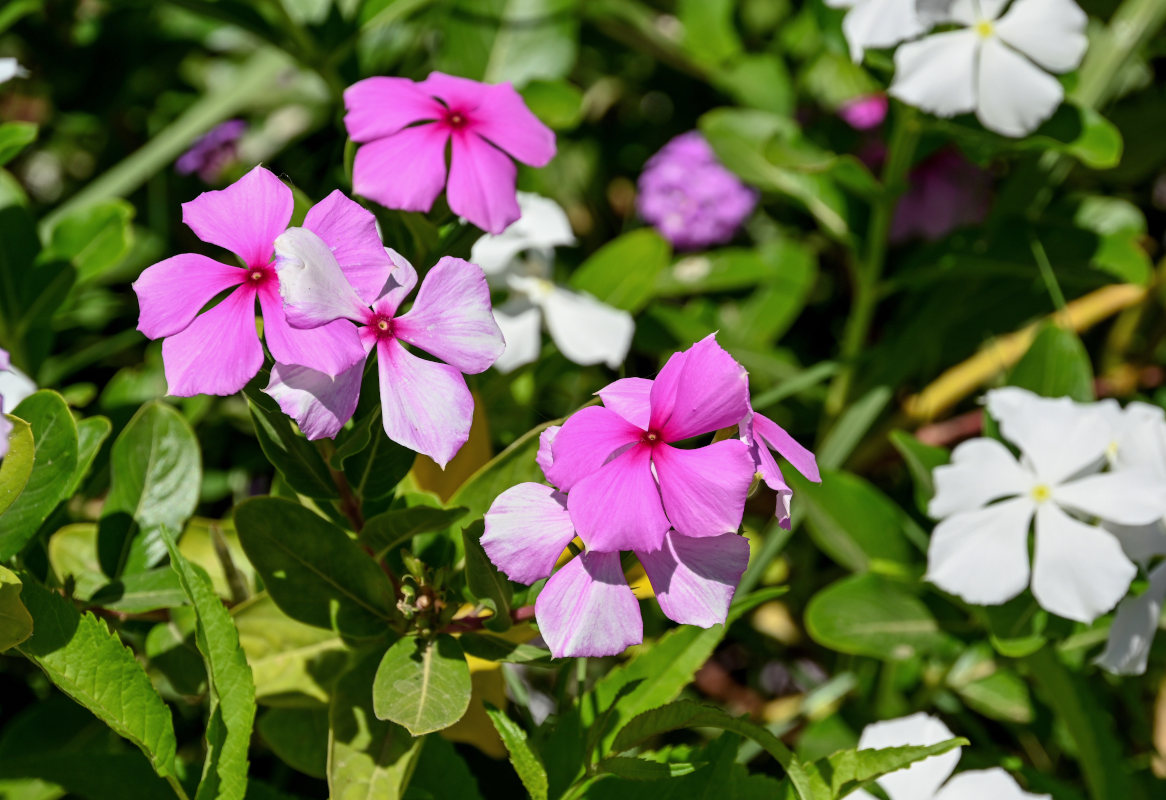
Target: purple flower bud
946, 192
212, 152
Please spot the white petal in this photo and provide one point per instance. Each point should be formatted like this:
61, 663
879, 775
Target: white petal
982, 556
1134, 627
14, 387
962, 12
520, 323
1140, 439
10, 68
981, 470
1141, 542
542, 226
1079, 571
586, 330
314, 288
879, 23
1125, 497
982, 784
1014, 96
1050, 32
936, 73
1058, 437
921, 780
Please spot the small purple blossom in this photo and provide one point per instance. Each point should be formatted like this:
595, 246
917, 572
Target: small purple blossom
689, 196
864, 112
213, 152
946, 192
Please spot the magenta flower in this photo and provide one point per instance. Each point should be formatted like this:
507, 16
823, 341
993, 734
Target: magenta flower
404, 127
761, 434
864, 112
218, 351
628, 485
425, 405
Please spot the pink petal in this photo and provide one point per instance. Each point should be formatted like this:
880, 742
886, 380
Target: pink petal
710, 390
218, 352
588, 609
351, 232
694, 579
546, 439
618, 507
172, 292
314, 290
401, 281
245, 217
482, 183
630, 398
527, 529
586, 442
330, 348
504, 119
704, 490
426, 406
776, 437
319, 403
379, 107
459, 94
451, 317
405, 170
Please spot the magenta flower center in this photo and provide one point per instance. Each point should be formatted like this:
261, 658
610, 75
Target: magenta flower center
381, 326
456, 119
257, 276
650, 437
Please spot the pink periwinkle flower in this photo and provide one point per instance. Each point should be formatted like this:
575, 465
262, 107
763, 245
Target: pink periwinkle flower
687, 195
762, 435
864, 112
404, 127
425, 405
213, 152
218, 351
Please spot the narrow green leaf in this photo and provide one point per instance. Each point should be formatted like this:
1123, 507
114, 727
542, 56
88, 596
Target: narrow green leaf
232, 691
486, 583
86, 661
16, 466
852, 426
495, 648
396, 528
422, 684
290, 453
849, 770
624, 271
141, 591
91, 434
641, 769
526, 763
15, 621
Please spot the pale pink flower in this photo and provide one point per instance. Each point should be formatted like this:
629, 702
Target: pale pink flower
405, 126
218, 351
864, 112
761, 434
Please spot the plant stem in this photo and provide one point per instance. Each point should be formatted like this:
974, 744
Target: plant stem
1047, 274
868, 271
177, 787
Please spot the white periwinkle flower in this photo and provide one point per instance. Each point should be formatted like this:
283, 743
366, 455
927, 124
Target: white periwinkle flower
871, 24
997, 66
929, 779
10, 68
987, 499
585, 330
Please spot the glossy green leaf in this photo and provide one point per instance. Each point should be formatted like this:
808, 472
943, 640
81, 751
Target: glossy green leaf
921, 459
395, 528
95, 238
512, 466
375, 471
297, 461
487, 584
1001, 695
1056, 365
422, 684
525, 761
870, 615
299, 736
138, 592
1081, 133
15, 621
441, 770
14, 137
91, 434
16, 466
623, 273
848, 770
557, 103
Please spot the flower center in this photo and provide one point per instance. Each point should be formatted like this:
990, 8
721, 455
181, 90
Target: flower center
1041, 492
382, 326
456, 119
651, 437
985, 28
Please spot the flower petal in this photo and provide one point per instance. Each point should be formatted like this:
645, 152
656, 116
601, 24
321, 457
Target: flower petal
630, 398
451, 317
588, 609
977, 784
401, 281
618, 507
1134, 626
404, 171
1058, 437
172, 292
504, 119
218, 352
1050, 32
981, 470
542, 226
330, 348
458, 94
520, 323
379, 107
936, 73
1130, 497
922, 779
527, 529
1079, 571
1140, 542
245, 217
481, 183
314, 290
1014, 95
350, 231
879, 24
706, 390
982, 555
319, 403
586, 330
426, 406
588, 440
787, 447
704, 490
544, 458
694, 579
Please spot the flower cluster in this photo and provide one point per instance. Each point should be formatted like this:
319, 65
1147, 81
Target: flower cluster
620, 483
1092, 478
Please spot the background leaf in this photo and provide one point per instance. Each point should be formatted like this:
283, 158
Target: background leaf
422, 684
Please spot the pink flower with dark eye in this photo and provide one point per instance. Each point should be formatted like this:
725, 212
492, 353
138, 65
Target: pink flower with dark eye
761, 434
426, 405
404, 127
218, 351
627, 483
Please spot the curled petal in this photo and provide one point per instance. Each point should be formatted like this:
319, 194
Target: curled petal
982, 555
245, 217
330, 348
425, 406
588, 440
787, 447
618, 507
694, 579
699, 393
546, 439
314, 290
704, 490
379, 107
405, 170
481, 183
319, 403
588, 609
172, 292
527, 529
586, 330
630, 398
218, 352
350, 231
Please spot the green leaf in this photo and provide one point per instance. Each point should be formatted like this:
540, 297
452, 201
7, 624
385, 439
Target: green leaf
14, 137
367, 758
921, 459
623, 273
422, 684
312, 570
1016, 628
16, 466
396, 528
849, 770
156, 472
557, 103
297, 461
15, 621
842, 439
641, 769
512, 466
1056, 365
375, 471
299, 736
851, 521
91, 434
442, 772
1001, 695
95, 238
526, 763
495, 648
55, 458
871, 615
141, 591
232, 691
86, 661
486, 583
1079, 132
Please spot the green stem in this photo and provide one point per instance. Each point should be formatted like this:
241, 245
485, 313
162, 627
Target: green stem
867, 272
1047, 274
1133, 24
177, 787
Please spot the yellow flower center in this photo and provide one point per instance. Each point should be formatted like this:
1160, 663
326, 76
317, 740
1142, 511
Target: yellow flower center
985, 28
1041, 493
